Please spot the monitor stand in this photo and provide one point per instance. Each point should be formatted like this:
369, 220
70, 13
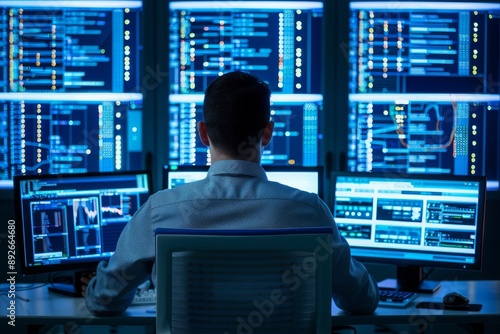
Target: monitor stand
410, 278
70, 290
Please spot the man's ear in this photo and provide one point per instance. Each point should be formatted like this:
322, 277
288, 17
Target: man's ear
202, 130
268, 133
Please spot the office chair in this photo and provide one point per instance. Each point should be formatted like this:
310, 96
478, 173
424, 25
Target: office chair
244, 281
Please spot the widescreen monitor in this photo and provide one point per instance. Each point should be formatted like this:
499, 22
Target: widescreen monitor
73, 221
278, 41
423, 88
308, 179
70, 99
412, 221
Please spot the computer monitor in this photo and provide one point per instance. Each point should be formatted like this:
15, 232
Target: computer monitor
71, 98
279, 41
73, 221
412, 221
308, 179
423, 88
176, 175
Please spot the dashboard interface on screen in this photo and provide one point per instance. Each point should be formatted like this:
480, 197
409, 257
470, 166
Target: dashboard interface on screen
72, 221
423, 88
278, 41
69, 99
413, 219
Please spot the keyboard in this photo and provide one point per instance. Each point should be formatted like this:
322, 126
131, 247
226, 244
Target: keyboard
144, 297
395, 298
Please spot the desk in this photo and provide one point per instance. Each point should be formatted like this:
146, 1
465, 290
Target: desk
486, 293
47, 309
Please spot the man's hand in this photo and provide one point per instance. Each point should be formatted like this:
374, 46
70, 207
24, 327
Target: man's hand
85, 279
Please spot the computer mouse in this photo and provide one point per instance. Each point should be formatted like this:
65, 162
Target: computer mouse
455, 300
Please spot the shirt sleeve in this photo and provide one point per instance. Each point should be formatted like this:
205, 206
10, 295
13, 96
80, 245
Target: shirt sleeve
353, 289
113, 287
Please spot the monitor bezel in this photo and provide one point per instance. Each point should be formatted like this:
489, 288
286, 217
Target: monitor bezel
268, 168
480, 227
84, 264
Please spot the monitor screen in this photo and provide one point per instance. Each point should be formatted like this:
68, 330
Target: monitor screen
412, 220
423, 88
278, 41
308, 179
73, 221
70, 101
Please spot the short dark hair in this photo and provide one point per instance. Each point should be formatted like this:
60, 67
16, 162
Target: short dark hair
236, 108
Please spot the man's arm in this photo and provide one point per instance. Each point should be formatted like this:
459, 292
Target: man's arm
113, 287
354, 289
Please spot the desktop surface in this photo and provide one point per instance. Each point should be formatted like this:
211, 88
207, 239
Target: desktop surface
45, 308
486, 293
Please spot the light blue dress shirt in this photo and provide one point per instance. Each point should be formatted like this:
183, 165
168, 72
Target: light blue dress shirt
235, 194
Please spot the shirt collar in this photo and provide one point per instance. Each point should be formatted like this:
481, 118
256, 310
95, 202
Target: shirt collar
237, 168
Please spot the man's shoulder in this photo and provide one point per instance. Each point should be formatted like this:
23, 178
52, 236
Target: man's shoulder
291, 193
179, 193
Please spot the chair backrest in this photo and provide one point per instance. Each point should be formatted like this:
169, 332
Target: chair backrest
244, 281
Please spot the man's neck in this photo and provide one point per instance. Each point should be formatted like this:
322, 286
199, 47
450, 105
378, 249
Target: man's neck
252, 155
